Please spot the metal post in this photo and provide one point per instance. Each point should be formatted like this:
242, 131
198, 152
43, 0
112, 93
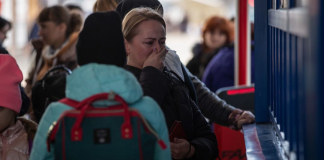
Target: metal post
242, 44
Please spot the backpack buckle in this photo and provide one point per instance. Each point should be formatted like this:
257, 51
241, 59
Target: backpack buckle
111, 95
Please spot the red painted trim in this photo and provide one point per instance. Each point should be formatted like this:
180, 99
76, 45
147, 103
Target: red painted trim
63, 140
139, 138
243, 22
241, 91
251, 3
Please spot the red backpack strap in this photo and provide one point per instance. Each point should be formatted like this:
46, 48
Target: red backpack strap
69, 102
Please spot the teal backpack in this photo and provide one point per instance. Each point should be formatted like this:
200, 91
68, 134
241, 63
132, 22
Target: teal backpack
115, 132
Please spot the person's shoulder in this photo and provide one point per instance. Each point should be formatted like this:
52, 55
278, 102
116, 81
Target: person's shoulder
147, 106
197, 49
55, 109
146, 101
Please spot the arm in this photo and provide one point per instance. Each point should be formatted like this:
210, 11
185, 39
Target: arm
39, 150
212, 107
217, 110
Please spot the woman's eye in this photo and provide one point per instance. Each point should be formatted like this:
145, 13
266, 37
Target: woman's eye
149, 43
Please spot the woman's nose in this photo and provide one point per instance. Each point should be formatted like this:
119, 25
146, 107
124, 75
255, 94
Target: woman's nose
158, 47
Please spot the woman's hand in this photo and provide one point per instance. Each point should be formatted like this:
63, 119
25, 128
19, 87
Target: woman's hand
181, 149
245, 118
238, 118
156, 59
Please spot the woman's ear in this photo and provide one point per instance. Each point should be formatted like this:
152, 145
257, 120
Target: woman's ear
127, 47
63, 27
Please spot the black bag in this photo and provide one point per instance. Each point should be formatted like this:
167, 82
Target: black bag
50, 89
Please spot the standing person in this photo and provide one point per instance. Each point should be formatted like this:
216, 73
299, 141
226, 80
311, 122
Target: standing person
58, 30
145, 36
16, 134
102, 72
216, 33
220, 71
212, 107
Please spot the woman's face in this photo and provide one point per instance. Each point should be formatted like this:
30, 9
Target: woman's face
3, 33
7, 118
150, 35
51, 33
215, 39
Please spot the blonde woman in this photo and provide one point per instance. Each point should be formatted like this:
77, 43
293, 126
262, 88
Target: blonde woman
145, 36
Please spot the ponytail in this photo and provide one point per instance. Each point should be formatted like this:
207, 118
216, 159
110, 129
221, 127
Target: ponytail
75, 23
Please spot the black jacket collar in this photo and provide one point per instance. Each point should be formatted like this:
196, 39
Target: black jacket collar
134, 70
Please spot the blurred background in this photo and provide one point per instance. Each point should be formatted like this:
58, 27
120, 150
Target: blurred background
184, 22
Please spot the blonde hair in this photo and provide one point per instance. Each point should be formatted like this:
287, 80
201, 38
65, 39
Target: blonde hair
104, 5
137, 15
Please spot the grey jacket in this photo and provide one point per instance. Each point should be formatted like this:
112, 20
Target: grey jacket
212, 107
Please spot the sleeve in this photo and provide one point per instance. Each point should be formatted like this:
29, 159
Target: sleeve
205, 144
154, 84
39, 150
212, 107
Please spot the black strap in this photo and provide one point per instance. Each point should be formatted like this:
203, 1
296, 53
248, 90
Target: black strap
60, 67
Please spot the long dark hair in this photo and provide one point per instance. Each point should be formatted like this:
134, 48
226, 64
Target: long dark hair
59, 15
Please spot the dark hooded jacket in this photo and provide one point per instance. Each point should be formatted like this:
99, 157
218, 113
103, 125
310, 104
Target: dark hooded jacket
171, 93
212, 107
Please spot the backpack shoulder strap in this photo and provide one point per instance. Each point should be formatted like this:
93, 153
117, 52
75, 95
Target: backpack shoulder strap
69, 102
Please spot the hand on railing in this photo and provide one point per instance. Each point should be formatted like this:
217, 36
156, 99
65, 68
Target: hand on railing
238, 118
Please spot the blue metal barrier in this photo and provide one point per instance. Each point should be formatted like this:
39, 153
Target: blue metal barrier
289, 76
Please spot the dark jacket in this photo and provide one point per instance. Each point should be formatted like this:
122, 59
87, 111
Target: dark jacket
209, 103
173, 97
211, 106
200, 60
220, 71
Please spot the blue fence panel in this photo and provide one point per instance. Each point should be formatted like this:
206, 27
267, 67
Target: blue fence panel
293, 82
283, 84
